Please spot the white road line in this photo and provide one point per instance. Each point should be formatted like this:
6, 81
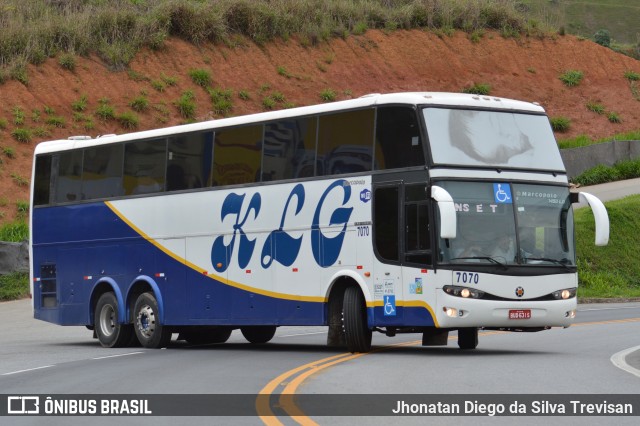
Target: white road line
609, 309
619, 361
303, 334
28, 369
115, 356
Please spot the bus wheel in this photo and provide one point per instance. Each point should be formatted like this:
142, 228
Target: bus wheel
150, 331
220, 335
354, 317
259, 334
467, 338
110, 333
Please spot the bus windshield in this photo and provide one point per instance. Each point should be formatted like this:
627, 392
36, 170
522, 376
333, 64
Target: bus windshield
482, 138
510, 224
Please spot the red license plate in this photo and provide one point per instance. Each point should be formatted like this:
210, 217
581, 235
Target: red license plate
519, 314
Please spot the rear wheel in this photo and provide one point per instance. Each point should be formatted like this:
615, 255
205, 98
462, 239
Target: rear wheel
149, 329
110, 333
468, 338
259, 334
354, 314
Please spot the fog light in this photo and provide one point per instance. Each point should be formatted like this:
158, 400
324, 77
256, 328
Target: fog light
571, 314
451, 312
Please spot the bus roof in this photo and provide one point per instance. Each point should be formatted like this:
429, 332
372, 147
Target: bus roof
407, 98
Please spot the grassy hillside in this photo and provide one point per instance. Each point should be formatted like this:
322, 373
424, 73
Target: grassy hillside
612, 270
585, 17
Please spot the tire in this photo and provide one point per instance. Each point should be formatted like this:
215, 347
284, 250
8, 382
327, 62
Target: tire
219, 335
467, 338
259, 334
110, 333
354, 317
150, 331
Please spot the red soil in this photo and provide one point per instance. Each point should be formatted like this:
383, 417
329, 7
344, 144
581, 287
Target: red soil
526, 69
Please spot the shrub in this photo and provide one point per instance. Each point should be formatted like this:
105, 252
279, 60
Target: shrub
18, 116
67, 61
140, 103
571, 78
596, 107
9, 152
128, 120
278, 97
560, 124
478, 89
22, 207
200, 77
80, 104
328, 95
158, 85
22, 135
614, 117
603, 38
168, 80
283, 72
186, 105
21, 181
55, 121
3, 123
244, 95
105, 112
632, 75
268, 103
15, 232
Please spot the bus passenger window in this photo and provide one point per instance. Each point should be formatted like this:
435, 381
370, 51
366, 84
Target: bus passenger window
144, 167
289, 149
345, 142
42, 182
237, 155
69, 182
189, 161
398, 142
102, 172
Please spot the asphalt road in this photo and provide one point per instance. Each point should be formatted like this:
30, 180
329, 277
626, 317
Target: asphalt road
40, 358
612, 190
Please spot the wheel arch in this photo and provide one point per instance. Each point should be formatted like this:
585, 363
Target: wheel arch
335, 293
102, 286
143, 284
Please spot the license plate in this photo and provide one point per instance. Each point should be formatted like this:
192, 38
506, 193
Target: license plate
520, 314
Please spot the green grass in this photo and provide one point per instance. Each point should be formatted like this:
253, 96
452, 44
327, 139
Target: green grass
629, 169
571, 78
116, 30
139, 103
560, 124
81, 104
128, 120
14, 232
200, 77
14, 286
22, 135
186, 105
584, 140
478, 89
612, 270
632, 75
596, 107
328, 95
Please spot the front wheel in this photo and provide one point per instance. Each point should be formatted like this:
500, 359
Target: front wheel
259, 334
149, 329
354, 316
110, 333
468, 338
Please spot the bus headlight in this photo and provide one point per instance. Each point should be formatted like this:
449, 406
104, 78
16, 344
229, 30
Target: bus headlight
464, 292
565, 294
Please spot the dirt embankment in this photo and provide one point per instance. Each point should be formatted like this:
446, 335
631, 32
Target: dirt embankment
526, 69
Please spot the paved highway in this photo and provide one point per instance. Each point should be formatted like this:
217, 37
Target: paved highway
40, 358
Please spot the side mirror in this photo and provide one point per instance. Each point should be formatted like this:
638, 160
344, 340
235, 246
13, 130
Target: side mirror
448, 226
600, 215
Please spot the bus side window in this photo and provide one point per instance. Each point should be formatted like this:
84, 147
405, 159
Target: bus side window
289, 149
398, 142
144, 167
237, 155
102, 172
69, 178
345, 142
42, 183
189, 161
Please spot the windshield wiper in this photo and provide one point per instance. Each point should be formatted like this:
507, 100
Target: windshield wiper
490, 259
562, 262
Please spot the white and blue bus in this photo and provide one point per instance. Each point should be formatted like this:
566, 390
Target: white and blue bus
396, 213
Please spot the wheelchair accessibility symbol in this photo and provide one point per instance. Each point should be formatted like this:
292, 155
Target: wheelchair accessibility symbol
390, 306
502, 193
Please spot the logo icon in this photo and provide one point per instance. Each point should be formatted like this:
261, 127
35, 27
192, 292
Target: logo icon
519, 291
502, 193
365, 195
23, 405
390, 306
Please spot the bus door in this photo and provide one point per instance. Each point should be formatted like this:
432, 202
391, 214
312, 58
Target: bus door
387, 243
